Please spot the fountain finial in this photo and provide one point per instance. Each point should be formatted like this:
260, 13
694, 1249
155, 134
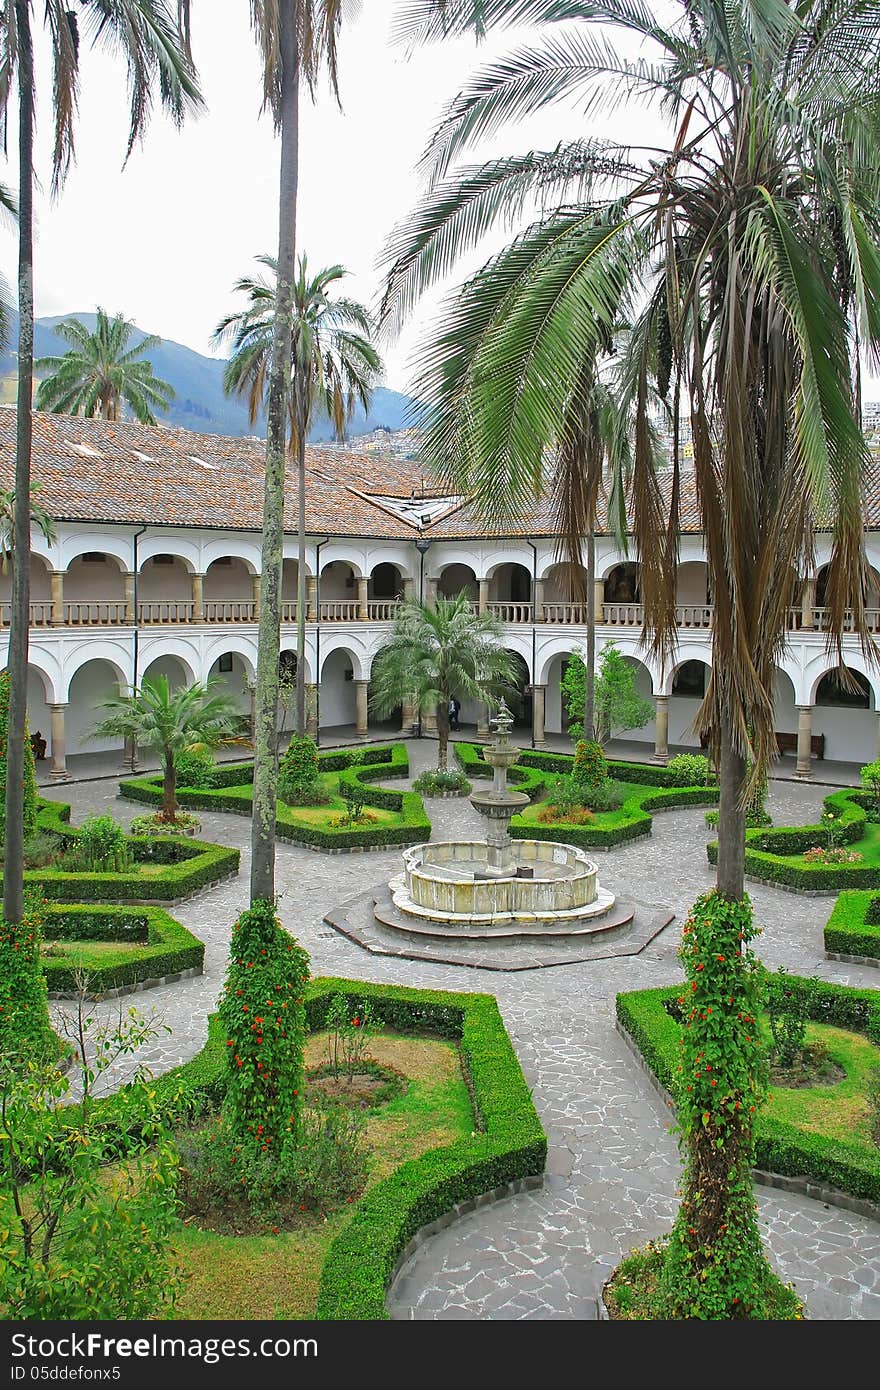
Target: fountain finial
503, 720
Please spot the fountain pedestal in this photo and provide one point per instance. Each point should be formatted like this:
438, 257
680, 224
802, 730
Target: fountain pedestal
499, 804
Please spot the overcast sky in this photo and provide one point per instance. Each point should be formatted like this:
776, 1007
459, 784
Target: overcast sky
164, 240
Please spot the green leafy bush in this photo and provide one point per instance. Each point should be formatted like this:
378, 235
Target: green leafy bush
438, 780
770, 854
153, 945
590, 767
195, 768
29, 807
25, 1032
298, 775
184, 867
688, 770
101, 847
262, 1011
184, 823
788, 1009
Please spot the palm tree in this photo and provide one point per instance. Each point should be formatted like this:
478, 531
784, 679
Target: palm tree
333, 367
171, 722
101, 371
145, 34
297, 39
9, 206
436, 653
748, 245
39, 518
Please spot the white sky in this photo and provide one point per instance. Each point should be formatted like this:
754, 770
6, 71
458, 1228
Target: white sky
164, 240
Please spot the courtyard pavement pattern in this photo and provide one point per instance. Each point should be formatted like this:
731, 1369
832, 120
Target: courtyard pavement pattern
613, 1164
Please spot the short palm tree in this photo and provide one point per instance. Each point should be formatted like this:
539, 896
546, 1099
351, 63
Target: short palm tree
334, 366
101, 372
435, 654
171, 722
145, 37
40, 518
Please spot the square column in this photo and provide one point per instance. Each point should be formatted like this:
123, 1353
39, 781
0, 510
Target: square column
312, 711
538, 697
808, 603
363, 586
409, 589
804, 771
311, 598
56, 580
429, 721
58, 771
431, 593
407, 717
483, 602
538, 601
599, 600
483, 722
128, 591
257, 579
661, 731
198, 598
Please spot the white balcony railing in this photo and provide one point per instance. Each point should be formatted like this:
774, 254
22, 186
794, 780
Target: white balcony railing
693, 615
341, 610
622, 614
288, 610
41, 614
575, 614
382, 610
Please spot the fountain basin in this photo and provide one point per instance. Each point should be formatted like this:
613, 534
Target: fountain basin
454, 879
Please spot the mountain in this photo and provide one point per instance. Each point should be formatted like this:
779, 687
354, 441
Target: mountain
199, 403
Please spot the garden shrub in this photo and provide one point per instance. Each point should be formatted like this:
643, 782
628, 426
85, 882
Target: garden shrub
788, 1007
590, 767
298, 775
101, 847
195, 767
688, 770
874, 1104
870, 779
153, 945
156, 824
262, 1011
437, 780
29, 805
25, 1031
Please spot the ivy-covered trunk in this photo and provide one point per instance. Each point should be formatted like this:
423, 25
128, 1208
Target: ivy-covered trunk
301, 721
262, 885
169, 787
17, 659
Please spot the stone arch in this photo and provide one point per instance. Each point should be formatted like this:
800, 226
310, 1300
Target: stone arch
359, 663
234, 644
692, 589
40, 587
121, 548
623, 582
228, 589
94, 582
172, 664
235, 669
386, 581
458, 578
231, 548
94, 679
510, 582
340, 668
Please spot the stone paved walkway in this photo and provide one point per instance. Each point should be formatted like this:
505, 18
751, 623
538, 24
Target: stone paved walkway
613, 1164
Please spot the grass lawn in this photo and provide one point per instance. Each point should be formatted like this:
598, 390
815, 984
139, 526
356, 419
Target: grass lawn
264, 1277
838, 1110
319, 817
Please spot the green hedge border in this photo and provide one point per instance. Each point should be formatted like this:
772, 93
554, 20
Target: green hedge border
781, 1147
159, 946
530, 778
853, 929
204, 864
767, 850
510, 1145
389, 762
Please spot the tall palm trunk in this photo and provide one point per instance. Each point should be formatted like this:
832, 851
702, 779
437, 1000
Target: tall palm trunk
13, 877
731, 817
266, 701
590, 689
300, 724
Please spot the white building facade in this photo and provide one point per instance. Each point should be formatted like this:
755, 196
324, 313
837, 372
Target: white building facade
115, 600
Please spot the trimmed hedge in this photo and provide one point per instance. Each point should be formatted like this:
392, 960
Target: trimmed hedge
767, 851
199, 864
634, 819
510, 1144
157, 945
853, 929
387, 762
781, 1146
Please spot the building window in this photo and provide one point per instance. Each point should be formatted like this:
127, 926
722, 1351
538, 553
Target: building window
690, 680
831, 693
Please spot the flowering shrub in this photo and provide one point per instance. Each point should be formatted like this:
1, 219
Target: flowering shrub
25, 1031
29, 814
590, 766
818, 855
262, 1012
714, 1266
349, 1034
